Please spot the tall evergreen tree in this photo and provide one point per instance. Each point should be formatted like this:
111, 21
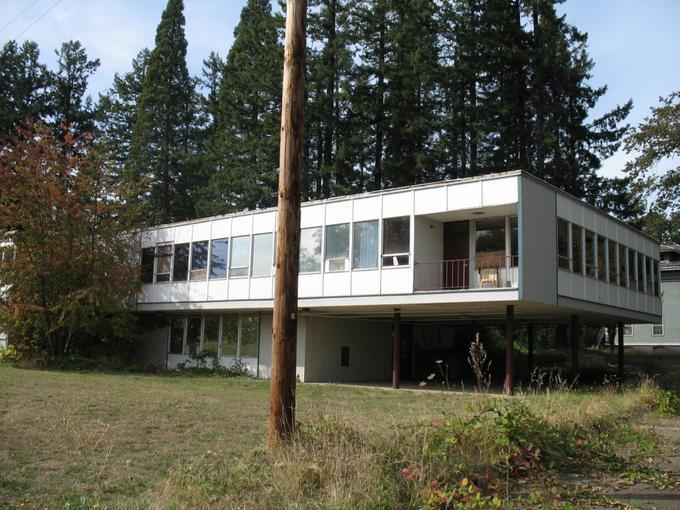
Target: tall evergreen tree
245, 145
162, 154
70, 103
24, 86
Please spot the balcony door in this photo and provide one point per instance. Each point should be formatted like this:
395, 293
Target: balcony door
456, 255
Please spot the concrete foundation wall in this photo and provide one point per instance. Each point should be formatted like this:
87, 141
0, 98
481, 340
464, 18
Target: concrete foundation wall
370, 350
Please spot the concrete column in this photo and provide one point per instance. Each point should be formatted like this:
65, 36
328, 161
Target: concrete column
509, 386
530, 342
574, 346
396, 350
620, 371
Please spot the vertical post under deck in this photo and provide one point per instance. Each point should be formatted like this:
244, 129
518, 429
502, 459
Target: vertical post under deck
396, 350
574, 346
620, 371
509, 387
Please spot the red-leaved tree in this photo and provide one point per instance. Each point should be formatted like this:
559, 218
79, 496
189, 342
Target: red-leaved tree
73, 279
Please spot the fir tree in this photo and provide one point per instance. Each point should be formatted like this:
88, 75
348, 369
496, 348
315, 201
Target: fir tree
245, 145
162, 154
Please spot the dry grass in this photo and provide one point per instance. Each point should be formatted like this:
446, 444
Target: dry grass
126, 441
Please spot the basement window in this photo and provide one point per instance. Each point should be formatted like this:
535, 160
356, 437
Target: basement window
396, 241
211, 335
199, 260
337, 248
344, 356
193, 342
250, 334
176, 336
229, 346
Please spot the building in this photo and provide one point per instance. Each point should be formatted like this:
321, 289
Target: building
665, 333
395, 271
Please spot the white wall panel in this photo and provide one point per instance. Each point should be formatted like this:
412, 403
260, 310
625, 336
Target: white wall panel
397, 204
198, 291
338, 212
264, 222
430, 200
148, 238
261, 288
177, 291
217, 290
499, 191
221, 228
238, 288
312, 216
201, 231
396, 281
367, 208
336, 284
310, 285
464, 196
183, 233
365, 283
241, 225
166, 235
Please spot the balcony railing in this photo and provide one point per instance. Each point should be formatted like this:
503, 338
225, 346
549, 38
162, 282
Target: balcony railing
476, 273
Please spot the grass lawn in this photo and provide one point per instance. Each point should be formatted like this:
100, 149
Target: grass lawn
136, 441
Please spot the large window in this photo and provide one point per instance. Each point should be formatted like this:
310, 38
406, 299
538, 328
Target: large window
632, 269
163, 262
240, 256
310, 250
263, 250
180, 270
218, 258
199, 260
176, 336
211, 335
623, 274
563, 244
396, 241
601, 261
365, 245
229, 336
250, 333
590, 253
337, 248
577, 248
641, 272
193, 342
146, 270
613, 266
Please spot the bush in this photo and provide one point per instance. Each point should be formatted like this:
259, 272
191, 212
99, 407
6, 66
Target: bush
10, 355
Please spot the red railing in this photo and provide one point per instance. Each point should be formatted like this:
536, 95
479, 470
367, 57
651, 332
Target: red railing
475, 273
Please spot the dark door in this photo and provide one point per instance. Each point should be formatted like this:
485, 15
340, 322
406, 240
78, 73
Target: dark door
456, 254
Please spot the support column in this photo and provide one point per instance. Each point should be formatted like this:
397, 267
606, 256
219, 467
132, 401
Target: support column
620, 371
509, 386
396, 350
611, 330
574, 346
530, 342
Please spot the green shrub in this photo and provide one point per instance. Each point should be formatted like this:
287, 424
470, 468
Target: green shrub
668, 403
10, 355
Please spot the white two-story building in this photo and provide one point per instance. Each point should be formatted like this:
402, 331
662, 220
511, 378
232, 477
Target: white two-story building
493, 249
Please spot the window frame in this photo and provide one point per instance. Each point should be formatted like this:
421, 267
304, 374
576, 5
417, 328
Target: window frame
146, 274
211, 261
395, 255
577, 244
355, 244
186, 275
271, 256
157, 256
663, 330
318, 255
328, 262
563, 259
199, 271
248, 241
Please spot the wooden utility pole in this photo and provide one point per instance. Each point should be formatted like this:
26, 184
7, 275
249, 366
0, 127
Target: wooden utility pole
284, 326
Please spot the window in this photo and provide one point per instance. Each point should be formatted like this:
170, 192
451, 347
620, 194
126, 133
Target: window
632, 269
176, 335
650, 276
229, 345
613, 267
180, 270
657, 329
396, 241
641, 272
211, 334
577, 249
657, 278
562, 244
193, 342
627, 330
365, 247
250, 334
218, 258
337, 248
240, 247
623, 273
310, 250
590, 253
344, 356
263, 251
199, 260
601, 260
163, 262
514, 239
8, 253
146, 271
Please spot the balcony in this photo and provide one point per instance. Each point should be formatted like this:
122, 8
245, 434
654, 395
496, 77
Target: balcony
487, 272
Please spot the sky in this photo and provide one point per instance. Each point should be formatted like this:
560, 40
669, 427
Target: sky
634, 44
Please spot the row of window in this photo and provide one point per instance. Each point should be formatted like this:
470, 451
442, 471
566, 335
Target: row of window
234, 336
253, 255
657, 329
582, 251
